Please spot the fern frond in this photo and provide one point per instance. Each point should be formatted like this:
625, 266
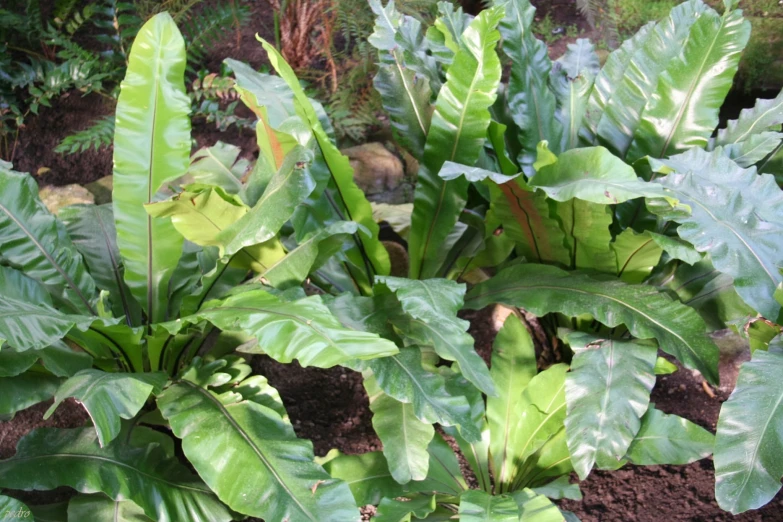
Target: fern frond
209, 26
98, 135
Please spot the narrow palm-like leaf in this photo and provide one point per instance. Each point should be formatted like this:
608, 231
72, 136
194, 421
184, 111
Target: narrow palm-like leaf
480, 506
457, 133
647, 313
531, 101
669, 439
572, 79
405, 438
36, 242
607, 393
748, 446
151, 148
107, 397
91, 228
683, 110
249, 455
618, 123
513, 366
735, 216
48, 458
304, 330
367, 474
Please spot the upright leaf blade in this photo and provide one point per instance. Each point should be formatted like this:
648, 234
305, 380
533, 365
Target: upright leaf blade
683, 110
480, 506
748, 445
457, 133
572, 79
151, 148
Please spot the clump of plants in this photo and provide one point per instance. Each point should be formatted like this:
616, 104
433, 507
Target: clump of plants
598, 196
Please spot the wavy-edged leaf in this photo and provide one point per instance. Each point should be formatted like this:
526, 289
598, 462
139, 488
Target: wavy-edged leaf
304, 330
91, 228
748, 445
766, 115
647, 313
480, 506
219, 165
47, 458
676, 248
616, 127
754, 149
249, 455
107, 397
151, 148
513, 366
392, 510
37, 243
560, 488
432, 305
352, 201
572, 78
402, 377
25, 390
592, 174
405, 438
534, 507
457, 133
735, 216
310, 255
530, 100
682, 112
607, 393
100, 508
367, 474
669, 439
15, 285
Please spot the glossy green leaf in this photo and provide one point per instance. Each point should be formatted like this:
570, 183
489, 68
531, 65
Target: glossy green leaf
754, 149
669, 439
637, 254
677, 248
480, 506
352, 201
15, 285
664, 367
151, 148
536, 508
37, 243
748, 445
593, 174
530, 100
392, 510
304, 330
367, 474
402, 377
107, 397
572, 78
735, 216
248, 454
682, 112
444, 475
220, 165
47, 458
404, 437
432, 305
542, 289
13, 509
560, 488
22, 391
766, 115
619, 121
91, 228
100, 508
310, 255
13, 362
457, 133
513, 366
607, 393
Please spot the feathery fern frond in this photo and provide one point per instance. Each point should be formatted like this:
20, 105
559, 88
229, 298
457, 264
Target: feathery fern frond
206, 27
99, 134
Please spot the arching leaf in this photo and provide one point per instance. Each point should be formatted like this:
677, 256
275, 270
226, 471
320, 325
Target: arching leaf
646, 313
669, 439
367, 474
101, 508
22, 391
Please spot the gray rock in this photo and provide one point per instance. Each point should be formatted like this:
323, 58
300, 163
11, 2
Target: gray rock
56, 198
379, 173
